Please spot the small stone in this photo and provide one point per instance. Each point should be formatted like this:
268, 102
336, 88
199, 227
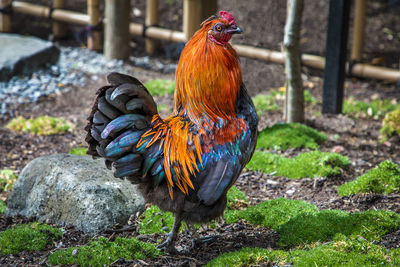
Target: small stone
290, 191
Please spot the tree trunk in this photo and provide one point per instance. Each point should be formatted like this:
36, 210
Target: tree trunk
117, 29
294, 103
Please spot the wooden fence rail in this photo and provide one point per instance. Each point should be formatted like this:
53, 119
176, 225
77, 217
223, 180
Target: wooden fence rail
157, 33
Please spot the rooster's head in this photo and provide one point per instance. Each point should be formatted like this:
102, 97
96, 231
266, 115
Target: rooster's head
221, 28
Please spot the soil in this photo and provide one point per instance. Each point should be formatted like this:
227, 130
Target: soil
357, 138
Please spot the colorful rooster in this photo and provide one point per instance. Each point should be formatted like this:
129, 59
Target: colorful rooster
187, 162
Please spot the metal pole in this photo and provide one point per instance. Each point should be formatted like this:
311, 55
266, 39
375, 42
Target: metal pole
336, 51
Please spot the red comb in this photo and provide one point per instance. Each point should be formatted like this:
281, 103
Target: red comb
228, 16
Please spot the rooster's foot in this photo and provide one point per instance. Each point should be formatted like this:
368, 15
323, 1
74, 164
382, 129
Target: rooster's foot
168, 246
199, 241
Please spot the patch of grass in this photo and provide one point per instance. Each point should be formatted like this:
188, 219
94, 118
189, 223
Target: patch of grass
3, 206
44, 125
310, 164
236, 198
384, 179
308, 98
7, 180
327, 224
160, 87
103, 252
391, 124
299, 222
272, 213
250, 257
154, 220
345, 252
376, 109
265, 102
289, 135
28, 237
81, 151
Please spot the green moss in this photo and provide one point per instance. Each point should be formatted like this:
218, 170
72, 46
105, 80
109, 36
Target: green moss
383, 180
289, 135
249, 257
376, 109
310, 164
44, 125
236, 198
103, 252
299, 222
160, 87
154, 220
7, 180
81, 151
325, 225
28, 237
391, 124
308, 98
3, 206
357, 252
345, 252
265, 102
272, 213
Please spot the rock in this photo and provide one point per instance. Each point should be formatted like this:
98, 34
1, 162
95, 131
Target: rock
24, 55
73, 190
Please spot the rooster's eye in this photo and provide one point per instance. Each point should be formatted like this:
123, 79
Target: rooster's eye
218, 28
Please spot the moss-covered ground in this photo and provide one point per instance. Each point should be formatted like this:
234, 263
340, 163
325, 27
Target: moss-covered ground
273, 100
3, 206
44, 125
310, 164
391, 124
7, 179
103, 252
375, 109
342, 252
289, 135
28, 237
384, 179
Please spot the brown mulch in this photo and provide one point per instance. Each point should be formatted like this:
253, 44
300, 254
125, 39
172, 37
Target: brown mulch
358, 138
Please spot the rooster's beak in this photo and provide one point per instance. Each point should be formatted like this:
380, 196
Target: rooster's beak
234, 30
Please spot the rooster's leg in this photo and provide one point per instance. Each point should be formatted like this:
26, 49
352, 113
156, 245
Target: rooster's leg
195, 239
168, 245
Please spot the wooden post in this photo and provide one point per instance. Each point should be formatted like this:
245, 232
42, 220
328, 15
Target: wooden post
192, 17
117, 29
151, 19
294, 101
210, 7
336, 51
59, 28
5, 19
94, 37
359, 29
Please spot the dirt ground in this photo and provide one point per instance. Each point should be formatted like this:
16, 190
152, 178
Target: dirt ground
263, 23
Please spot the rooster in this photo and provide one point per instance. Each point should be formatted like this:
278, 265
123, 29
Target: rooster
186, 162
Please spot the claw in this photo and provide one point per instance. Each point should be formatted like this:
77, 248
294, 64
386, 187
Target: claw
168, 246
196, 242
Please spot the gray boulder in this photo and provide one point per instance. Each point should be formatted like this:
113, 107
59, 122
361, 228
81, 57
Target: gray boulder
24, 55
75, 190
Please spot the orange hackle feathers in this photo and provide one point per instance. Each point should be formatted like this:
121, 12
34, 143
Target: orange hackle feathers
207, 83
208, 77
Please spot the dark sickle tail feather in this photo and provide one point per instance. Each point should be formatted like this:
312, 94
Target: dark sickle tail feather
121, 113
